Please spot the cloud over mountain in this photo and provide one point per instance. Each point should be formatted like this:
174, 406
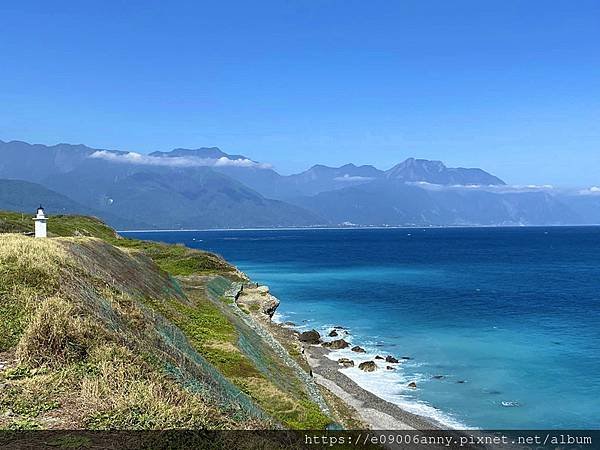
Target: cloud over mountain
175, 161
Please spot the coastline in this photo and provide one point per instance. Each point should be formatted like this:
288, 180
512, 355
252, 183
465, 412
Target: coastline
359, 227
377, 413
365, 407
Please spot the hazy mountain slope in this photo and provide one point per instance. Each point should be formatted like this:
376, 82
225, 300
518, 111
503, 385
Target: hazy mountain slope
35, 162
586, 206
256, 176
24, 196
167, 197
321, 178
130, 194
208, 188
391, 202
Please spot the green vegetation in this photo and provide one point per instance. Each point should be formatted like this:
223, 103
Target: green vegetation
60, 225
174, 259
104, 332
212, 332
86, 354
179, 260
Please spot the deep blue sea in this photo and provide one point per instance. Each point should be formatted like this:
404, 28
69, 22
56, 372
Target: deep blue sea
510, 317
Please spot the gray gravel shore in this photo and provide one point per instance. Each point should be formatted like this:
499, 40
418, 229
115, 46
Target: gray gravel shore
379, 414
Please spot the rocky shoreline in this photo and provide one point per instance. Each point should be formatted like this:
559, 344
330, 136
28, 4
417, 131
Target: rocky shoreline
369, 409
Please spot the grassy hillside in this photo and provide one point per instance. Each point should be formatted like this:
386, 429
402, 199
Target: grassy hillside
101, 332
174, 259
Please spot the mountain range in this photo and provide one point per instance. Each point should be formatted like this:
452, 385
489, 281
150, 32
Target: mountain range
208, 188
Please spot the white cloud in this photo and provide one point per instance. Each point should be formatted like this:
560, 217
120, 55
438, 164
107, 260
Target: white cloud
175, 161
347, 177
488, 188
594, 190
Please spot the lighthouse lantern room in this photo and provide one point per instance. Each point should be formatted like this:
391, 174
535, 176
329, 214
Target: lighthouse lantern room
40, 220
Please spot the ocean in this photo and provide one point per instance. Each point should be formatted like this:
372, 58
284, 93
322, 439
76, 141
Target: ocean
501, 325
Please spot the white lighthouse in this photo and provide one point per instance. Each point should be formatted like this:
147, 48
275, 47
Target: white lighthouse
40, 220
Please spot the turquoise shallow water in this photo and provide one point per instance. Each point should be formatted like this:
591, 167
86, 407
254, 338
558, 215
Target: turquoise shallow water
513, 313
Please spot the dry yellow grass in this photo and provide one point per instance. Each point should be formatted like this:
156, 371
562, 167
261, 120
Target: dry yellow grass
86, 352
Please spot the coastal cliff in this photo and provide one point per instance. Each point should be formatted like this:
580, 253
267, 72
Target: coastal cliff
102, 332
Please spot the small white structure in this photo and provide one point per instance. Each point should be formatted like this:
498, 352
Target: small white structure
40, 220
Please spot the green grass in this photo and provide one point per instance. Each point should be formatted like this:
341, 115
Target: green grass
213, 334
59, 225
177, 260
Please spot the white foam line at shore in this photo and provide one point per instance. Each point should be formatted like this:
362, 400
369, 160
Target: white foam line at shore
389, 385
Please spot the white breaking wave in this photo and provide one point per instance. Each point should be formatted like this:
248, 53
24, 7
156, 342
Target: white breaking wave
390, 385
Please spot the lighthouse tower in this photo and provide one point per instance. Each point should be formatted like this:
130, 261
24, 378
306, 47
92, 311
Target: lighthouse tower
40, 220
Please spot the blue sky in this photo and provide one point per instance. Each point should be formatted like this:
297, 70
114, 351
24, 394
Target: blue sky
509, 86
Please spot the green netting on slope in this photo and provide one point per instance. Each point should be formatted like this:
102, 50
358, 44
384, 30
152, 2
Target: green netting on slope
249, 342
267, 355
181, 360
197, 374
218, 287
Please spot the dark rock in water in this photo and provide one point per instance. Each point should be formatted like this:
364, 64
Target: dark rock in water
390, 359
390, 368
412, 384
358, 349
290, 324
310, 337
345, 362
437, 377
338, 327
460, 382
379, 357
368, 366
405, 358
336, 345
333, 333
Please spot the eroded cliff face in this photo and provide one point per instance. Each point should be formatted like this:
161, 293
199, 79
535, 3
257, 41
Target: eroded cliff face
257, 299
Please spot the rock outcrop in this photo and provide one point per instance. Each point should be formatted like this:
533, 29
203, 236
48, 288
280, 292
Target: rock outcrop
336, 345
346, 362
368, 366
358, 349
391, 359
257, 299
310, 337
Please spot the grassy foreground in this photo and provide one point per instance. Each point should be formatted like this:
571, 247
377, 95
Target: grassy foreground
101, 332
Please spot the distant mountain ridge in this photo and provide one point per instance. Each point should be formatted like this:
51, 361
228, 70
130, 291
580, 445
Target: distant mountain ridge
202, 152
209, 188
436, 172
